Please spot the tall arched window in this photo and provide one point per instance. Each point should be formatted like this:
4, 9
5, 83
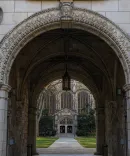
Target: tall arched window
50, 103
66, 100
1, 15
82, 101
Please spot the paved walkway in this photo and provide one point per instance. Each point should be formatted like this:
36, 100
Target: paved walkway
67, 146
66, 143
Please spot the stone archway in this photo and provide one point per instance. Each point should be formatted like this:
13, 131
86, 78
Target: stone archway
64, 16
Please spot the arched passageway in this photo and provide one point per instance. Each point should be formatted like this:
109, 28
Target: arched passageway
32, 55
65, 108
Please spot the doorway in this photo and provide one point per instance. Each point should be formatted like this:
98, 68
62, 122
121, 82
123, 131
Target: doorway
62, 129
69, 129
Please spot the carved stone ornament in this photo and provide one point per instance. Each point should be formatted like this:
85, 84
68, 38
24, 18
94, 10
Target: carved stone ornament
126, 87
127, 90
66, 10
50, 19
5, 87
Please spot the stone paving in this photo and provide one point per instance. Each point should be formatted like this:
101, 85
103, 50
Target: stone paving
64, 146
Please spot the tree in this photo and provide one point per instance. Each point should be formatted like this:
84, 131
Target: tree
86, 123
46, 124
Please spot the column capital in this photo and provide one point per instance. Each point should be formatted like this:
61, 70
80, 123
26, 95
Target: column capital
5, 87
126, 87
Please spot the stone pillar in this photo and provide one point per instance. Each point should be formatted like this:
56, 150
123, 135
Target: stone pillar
4, 89
127, 94
100, 130
32, 129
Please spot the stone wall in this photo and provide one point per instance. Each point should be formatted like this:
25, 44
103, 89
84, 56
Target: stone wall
18, 124
16, 11
115, 138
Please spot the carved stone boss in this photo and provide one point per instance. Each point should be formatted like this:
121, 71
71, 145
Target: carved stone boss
66, 10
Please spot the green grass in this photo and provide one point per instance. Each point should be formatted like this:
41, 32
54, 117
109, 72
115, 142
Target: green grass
45, 142
87, 142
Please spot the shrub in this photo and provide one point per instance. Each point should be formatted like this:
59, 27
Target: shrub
86, 124
81, 133
46, 126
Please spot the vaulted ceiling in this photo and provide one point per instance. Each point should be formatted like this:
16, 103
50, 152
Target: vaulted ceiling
89, 60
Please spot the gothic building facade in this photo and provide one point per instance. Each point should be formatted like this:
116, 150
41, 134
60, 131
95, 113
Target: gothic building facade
65, 105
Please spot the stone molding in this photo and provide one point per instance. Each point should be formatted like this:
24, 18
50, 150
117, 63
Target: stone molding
50, 19
5, 87
126, 87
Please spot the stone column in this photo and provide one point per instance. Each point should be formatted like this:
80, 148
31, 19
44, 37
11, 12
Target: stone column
32, 129
127, 96
4, 89
100, 130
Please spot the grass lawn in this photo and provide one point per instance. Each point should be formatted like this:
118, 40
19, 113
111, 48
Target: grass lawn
87, 142
45, 142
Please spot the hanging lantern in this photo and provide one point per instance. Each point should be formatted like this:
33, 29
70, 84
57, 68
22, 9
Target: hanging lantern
66, 81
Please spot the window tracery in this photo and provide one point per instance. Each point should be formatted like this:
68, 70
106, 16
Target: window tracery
54, 99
